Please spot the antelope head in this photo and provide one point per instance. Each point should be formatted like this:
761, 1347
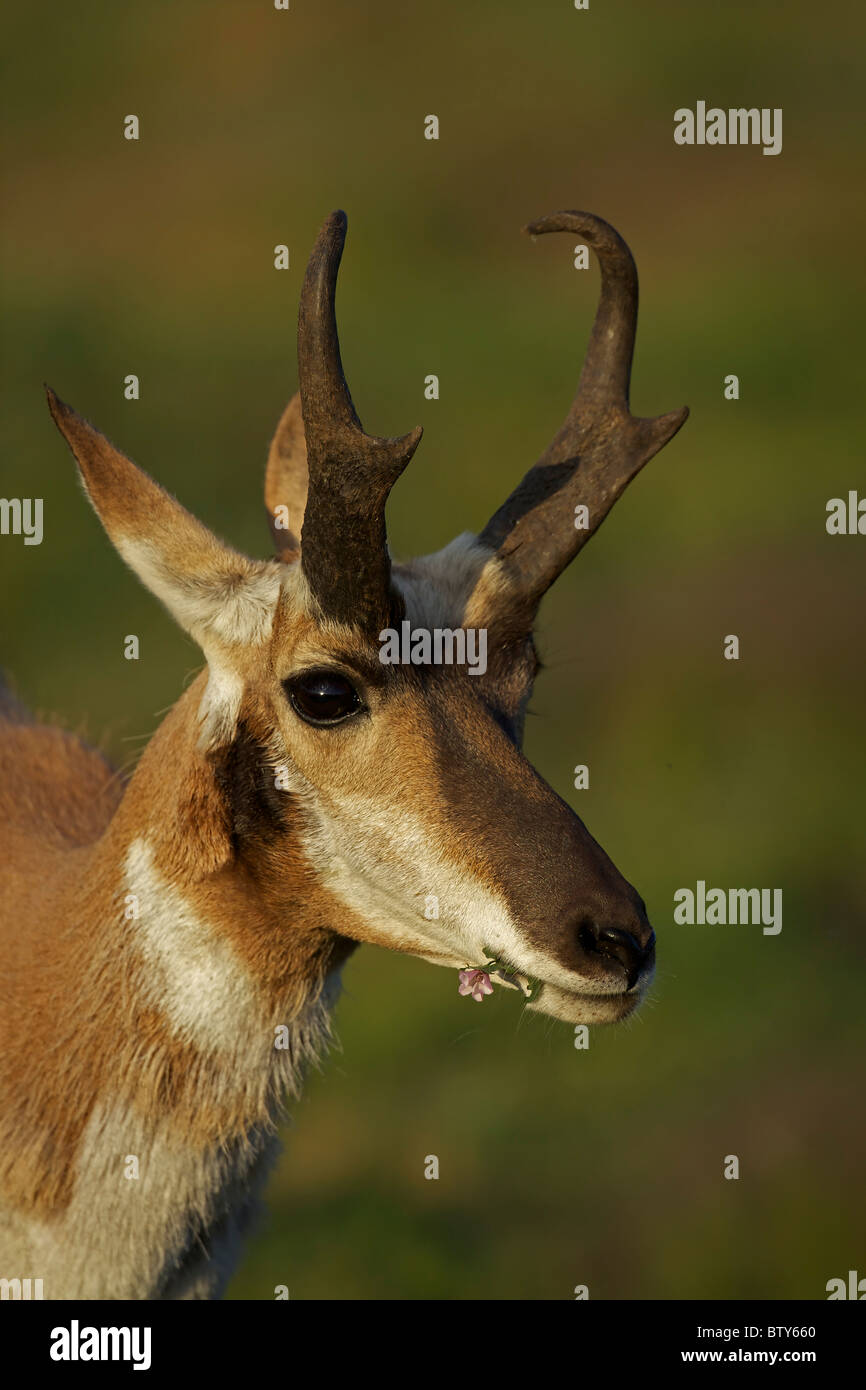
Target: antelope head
400, 789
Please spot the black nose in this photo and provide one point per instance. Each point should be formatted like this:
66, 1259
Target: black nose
620, 946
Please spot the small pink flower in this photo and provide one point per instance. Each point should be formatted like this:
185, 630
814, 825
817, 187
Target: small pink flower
475, 982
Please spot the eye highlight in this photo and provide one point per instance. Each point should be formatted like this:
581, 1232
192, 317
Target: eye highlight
322, 698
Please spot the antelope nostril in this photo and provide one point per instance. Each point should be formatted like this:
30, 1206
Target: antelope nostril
618, 945
587, 935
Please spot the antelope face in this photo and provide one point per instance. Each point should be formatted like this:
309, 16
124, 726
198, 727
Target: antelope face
400, 783
423, 820
435, 828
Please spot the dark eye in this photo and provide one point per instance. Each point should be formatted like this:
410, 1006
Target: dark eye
323, 697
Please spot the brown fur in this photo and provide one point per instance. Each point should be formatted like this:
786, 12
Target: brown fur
72, 994
170, 944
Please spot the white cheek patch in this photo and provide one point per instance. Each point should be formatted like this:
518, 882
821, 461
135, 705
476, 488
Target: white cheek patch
384, 864
192, 974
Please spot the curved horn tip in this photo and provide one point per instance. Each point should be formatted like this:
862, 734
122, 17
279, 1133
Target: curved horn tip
586, 223
334, 227
331, 237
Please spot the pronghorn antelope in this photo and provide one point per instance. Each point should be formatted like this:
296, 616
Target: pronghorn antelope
173, 945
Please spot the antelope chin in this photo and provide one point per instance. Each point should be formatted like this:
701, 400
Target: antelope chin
567, 1005
570, 1006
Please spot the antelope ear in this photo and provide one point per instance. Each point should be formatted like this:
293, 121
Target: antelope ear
221, 598
286, 481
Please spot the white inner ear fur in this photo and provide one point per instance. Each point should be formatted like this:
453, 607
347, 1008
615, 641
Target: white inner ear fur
229, 602
229, 598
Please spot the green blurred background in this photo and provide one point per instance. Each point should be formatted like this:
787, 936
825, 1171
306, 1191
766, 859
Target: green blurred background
558, 1167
